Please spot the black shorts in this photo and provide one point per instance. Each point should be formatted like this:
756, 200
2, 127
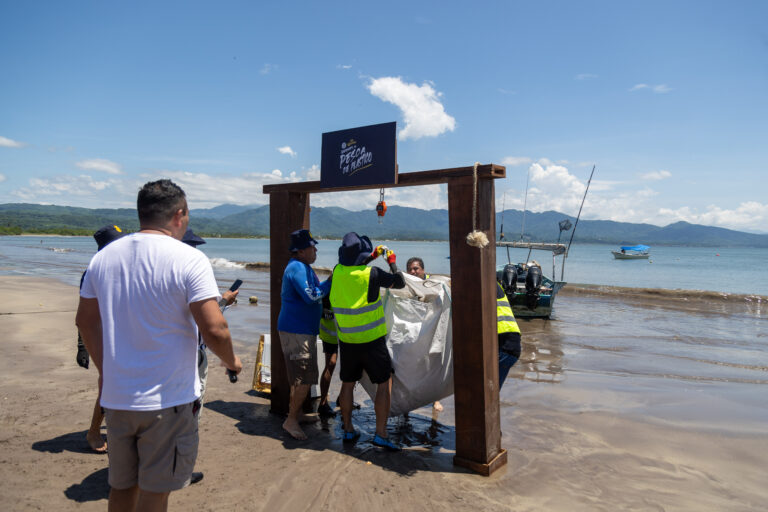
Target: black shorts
373, 357
330, 348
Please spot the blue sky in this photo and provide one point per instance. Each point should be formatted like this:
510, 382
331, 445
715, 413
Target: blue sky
667, 99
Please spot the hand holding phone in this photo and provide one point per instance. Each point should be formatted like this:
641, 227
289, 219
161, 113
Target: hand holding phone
229, 298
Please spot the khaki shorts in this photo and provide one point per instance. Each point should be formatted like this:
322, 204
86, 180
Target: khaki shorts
300, 354
154, 449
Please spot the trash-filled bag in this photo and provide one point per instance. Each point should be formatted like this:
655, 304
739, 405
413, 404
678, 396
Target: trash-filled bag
419, 341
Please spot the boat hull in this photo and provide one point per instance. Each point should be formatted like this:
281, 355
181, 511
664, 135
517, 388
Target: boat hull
627, 256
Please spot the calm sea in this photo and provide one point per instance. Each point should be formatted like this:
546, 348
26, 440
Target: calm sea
728, 270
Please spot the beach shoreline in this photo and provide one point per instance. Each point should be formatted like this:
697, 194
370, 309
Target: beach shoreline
568, 450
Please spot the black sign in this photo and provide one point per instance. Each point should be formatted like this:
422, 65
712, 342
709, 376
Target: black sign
359, 156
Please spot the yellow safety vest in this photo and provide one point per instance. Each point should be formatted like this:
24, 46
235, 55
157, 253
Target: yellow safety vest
505, 319
357, 320
328, 330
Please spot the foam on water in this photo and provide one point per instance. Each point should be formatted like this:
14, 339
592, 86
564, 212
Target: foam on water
225, 263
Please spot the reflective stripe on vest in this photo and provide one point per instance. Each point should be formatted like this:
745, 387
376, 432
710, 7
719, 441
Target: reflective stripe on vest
357, 320
505, 319
328, 331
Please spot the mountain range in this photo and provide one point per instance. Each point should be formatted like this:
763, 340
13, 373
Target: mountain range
400, 223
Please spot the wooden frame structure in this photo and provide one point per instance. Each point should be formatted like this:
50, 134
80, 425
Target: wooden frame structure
473, 284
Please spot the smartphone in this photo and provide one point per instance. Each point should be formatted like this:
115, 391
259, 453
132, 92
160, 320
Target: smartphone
236, 285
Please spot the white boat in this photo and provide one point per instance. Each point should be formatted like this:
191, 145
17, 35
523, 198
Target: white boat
632, 252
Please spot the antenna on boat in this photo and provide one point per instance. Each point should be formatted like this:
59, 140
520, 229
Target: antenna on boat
562, 270
503, 204
525, 202
501, 231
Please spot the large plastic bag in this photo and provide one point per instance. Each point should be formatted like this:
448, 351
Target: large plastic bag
420, 343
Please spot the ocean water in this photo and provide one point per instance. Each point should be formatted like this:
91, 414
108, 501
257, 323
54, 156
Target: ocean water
727, 270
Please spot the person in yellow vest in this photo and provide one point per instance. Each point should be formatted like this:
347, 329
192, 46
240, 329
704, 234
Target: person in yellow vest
509, 335
331, 351
362, 330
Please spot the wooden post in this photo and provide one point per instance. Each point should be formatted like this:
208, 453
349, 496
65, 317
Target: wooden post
288, 211
475, 343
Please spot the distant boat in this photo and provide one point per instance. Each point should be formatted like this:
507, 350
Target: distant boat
632, 252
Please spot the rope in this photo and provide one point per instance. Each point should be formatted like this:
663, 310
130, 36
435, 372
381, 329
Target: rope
476, 238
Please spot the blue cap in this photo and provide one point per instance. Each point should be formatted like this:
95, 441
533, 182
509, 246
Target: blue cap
354, 249
107, 235
190, 238
301, 239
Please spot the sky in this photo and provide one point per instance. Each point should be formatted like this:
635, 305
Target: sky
666, 99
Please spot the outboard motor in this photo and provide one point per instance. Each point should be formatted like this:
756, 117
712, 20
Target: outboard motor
509, 279
532, 286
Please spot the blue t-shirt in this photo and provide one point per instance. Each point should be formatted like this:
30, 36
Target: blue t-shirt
301, 297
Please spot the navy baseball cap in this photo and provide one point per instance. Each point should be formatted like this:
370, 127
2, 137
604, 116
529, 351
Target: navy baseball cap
190, 238
301, 239
107, 235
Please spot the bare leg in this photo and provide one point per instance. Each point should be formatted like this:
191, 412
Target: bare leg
346, 405
325, 378
152, 501
291, 424
381, 406
123, 500
94, 437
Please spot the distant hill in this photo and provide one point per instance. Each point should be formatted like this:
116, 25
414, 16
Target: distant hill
400, 223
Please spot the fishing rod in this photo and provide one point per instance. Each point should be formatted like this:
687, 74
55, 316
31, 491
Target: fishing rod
568, 249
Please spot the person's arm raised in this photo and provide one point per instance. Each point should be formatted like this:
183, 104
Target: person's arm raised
215, 332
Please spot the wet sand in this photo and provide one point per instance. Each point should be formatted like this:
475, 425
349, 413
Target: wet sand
614, 405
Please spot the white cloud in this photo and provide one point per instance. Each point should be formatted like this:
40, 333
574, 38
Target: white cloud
344, 66
101, 165
2, 178
267, 69
656, 175
207, 190
506, 91
10, 143
514, 161
423, 113
313, 173
286, 150
553, 187
749, 215
42, 189
585, 76
658, 89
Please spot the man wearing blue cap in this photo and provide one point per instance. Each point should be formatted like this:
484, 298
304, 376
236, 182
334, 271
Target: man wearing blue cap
362, 329
298, 324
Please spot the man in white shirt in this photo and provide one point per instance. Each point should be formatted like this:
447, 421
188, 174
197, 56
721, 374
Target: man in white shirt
140, 303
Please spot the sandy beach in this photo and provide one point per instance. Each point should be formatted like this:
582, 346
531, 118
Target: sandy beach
578, 437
